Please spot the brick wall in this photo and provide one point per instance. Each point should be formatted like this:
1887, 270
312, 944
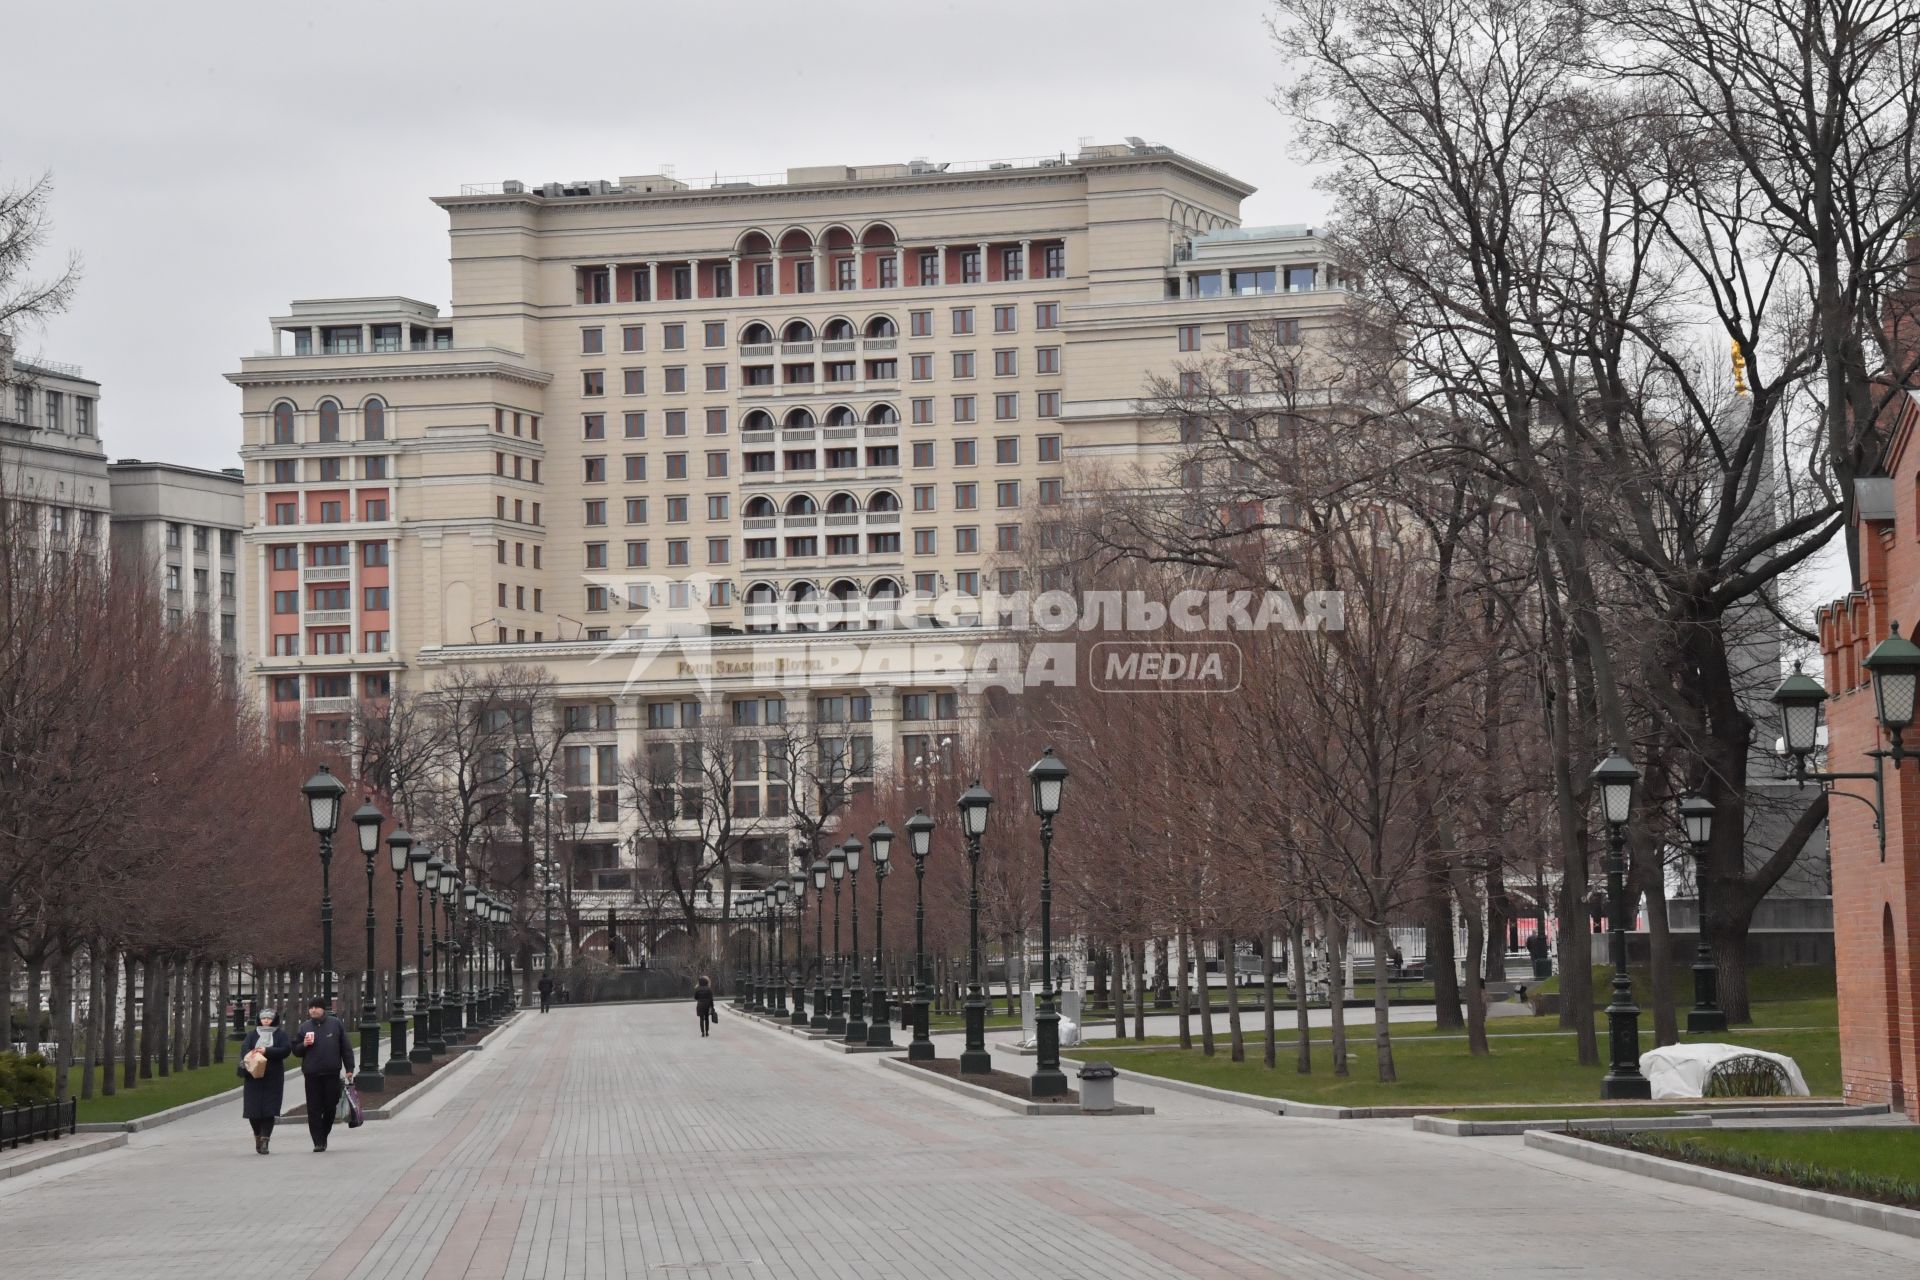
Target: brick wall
1876, 902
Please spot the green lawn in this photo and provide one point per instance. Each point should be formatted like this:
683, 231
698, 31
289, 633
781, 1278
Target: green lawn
1881, 1164
1568, 1113
1520, 1069
149, 1096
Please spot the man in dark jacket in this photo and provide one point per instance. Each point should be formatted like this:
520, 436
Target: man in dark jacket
546, 993
324, 1051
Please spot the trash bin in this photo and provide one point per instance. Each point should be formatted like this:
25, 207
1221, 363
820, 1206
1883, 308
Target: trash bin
1096, 1086
1543, 966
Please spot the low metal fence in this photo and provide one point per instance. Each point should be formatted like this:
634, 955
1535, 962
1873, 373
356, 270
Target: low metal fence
32, 1121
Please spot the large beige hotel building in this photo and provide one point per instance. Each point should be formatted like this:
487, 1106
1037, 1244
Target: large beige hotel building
667, 432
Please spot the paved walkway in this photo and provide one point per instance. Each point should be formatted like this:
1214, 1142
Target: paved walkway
616, 1142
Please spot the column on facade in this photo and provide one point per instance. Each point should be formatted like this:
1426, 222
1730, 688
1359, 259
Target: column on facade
886, 715
775, 256
939, 265
985, 271
393, 587
653, 281
1026, 259
733, 275
899, 265
355, 622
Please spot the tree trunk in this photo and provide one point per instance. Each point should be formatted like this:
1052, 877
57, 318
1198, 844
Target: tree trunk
6, 969
1437, 910
1236, 1043
91, 1059
1140, 989
1382, 1035
1297, 961
1163, 988
1496, 969
220, 1008
1185, 1006
36, 969
1476, 982
109, 1003
149, 1018
1336, 990
1206, 995
1666, 1021
1270, 1050
131, 1061
62, 993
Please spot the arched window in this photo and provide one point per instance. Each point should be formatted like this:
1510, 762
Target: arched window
841, 416
798, 419
882, 414
882, 327
838, 330
797, 331
283, 423
373, 419
885, 500
758, 420
329, 421
755, 334
802, 504
843, 504
759, 508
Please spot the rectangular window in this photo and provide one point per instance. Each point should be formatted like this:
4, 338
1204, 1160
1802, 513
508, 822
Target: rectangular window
920, 323
963, 364
592, 341
716, 422
714, 333
1046, 315
373, 468
596, 555
716, 377
966, 540
595, 470
677, 555
920, 368
676, 466
633, 425
373, 598
597, 511
1006, 537
1239, 334
923, 453
593, 382
331, 513
926, 542
284, 471
1053, 260
1006, 449
965, 497
962, 320
1010, 263
923, 493
636, 466
1007, 494
676, 378
633, 337
963, 410
286, 602
889, 272
923, 411
965, 453
716, 506
1189, 335
716, 466
637, 554
676, 510
1049, 448
636, 510
969, 270
330, 598
633, 382
1006, 364
1050, 491
1046, 404
673, 337
1006, 319
842, 274
967, 582
1006, 408
676, 422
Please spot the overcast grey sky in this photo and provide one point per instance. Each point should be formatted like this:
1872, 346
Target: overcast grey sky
214, 160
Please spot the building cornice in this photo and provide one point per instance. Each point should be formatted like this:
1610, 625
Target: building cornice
420, 372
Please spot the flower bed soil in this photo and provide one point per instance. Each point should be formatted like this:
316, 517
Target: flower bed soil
999, 1081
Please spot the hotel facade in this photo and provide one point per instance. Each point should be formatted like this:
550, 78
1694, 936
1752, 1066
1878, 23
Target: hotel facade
684, 446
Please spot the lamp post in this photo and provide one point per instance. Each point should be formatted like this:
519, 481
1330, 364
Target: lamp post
323, 792
856, 989
750, 911
836, 1008
436, 1012
1614, 779
506, 1002
417, 872
399, 855
450, 989
1894, 666
777, 971
366, 825
797, 887
1696, 815
974, 803
469, 1009
1049, 779
879, 1028
822, 1017
485, 985
920, 843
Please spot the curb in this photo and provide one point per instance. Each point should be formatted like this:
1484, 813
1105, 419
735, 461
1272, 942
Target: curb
1512, 1128
63, 1151
1253, 1101
1864, 1213
1006, 1103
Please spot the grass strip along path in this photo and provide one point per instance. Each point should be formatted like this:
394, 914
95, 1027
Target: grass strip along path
1871, 1164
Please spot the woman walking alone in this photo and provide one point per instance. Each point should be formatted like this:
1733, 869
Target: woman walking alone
260, 1095
703, 1002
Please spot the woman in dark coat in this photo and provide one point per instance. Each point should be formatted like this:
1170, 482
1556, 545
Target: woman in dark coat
260, 1099
703, 1002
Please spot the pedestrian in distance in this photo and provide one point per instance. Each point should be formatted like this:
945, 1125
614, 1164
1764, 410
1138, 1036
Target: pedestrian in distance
325, 1054
703, 1002
263, 1073
546, 993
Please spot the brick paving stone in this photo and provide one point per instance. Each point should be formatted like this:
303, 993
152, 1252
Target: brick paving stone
611, 1142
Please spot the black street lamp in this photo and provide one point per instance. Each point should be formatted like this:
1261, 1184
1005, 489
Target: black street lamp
920, 843
822, 1017
450, 1030
1614, 780
437, 874
856, 987
468, 892
417, 871
836, 1007
777, 971
879, 1029
399, 853
1696, 814
366, 825
1049, 779
750, 912
324, 793
797, 888
1894, 666
974, 803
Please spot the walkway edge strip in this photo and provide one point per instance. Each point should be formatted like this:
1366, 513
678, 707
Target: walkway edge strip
1005, 1102
1864, 1213
64, 1149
